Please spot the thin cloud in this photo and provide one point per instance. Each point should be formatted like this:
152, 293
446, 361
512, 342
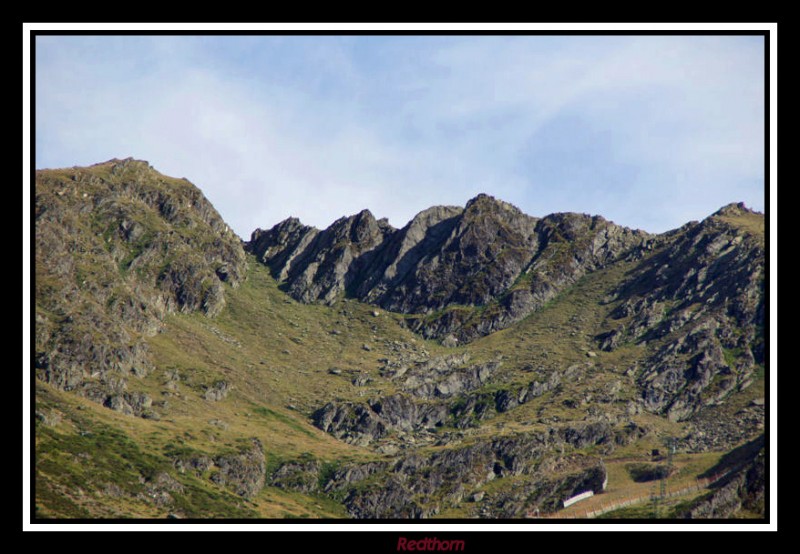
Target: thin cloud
648, 131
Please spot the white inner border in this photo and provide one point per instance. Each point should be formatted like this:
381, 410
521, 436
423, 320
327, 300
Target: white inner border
402, 527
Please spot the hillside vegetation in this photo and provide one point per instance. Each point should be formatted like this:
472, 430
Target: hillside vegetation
477, 363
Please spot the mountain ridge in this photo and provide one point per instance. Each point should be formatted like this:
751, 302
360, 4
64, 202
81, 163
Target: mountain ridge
476, 362
393, 268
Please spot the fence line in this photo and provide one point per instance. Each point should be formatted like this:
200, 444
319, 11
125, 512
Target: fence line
699, 484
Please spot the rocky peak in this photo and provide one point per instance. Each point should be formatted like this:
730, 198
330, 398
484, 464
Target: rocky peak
286, 228
119, 164
484, 202
733, 209
446, 256
118, 246
360, 231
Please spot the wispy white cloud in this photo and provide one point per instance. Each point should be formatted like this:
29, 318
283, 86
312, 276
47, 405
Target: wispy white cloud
649, 131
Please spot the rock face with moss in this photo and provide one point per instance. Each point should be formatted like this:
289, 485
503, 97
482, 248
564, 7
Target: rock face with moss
459, 274
119, 246
420, 485
741, 490
464, 273
702, 291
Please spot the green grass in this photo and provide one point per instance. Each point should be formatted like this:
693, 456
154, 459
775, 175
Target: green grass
75, 471
82, 459
243, 346
749, 222
272, 415
731, 355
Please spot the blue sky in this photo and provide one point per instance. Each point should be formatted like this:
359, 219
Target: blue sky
648, 131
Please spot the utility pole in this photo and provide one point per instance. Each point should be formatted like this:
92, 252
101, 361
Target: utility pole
670, 444
654, 500
662, 492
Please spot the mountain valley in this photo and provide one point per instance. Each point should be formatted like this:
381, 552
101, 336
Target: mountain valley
477, 363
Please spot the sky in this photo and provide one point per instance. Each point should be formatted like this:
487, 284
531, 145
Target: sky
648, 131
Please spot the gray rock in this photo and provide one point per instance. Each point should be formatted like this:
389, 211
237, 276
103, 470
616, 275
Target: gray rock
742, 487
244, 472
401, 489
297, 476
48, 417
217, 391
218, 423
450, 341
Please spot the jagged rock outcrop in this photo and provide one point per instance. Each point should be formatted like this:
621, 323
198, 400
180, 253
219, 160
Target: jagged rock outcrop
419, 486
423, 405
364, 423
436, 392
118, 246
301, 476
217, 391
702, 294
161, 488
441, 377
466, 272
546, 492
243, 471
321, 266
742, 488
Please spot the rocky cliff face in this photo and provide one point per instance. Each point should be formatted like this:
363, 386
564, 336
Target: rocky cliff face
700, 296
695, 294
464, 272
742, 489
118, 246
418, 485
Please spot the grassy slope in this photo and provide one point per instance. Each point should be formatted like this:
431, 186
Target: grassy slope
276, 353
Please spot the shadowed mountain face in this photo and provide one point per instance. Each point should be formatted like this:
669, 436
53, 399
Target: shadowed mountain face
478, 362
462, 273
704, 291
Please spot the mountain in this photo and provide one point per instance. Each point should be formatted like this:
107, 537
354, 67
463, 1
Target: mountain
464, 272
117, 247
478, 362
